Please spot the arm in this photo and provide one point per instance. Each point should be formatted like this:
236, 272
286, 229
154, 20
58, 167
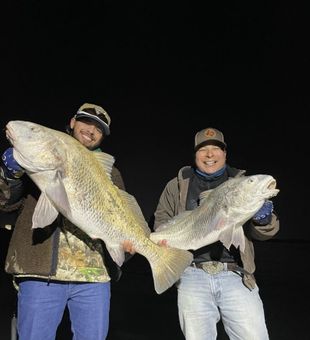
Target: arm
117, 178
11, 189
11, 193
166, 208
11, 186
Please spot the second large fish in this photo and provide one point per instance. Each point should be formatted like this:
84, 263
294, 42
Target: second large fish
220, 215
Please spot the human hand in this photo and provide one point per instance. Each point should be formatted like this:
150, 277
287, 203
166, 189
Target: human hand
264, 214
128, 247
14, 170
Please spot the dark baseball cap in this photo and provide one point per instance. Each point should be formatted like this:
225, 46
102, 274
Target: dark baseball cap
209, 136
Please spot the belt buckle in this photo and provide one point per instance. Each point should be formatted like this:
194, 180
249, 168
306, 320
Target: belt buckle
212, 267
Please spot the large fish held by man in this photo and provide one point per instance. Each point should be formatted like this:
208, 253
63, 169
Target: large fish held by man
220, 215
77, 183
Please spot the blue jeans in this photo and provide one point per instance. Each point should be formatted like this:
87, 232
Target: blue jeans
203, 299
41, 306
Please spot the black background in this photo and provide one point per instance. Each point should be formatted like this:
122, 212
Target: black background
163, 71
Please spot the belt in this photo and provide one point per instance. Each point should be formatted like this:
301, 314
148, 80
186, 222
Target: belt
215, 267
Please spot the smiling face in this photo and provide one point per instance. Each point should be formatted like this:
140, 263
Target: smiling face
210, 158
88, 132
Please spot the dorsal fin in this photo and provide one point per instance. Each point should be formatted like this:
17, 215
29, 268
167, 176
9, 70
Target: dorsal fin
106, 160
204, 194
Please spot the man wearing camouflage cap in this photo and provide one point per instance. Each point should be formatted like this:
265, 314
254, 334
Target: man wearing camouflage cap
59, 265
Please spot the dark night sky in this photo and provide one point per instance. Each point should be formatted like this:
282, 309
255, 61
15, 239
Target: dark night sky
164, 70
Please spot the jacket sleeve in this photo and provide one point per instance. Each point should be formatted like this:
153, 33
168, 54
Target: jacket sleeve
117, 178
167, 205
262, 232
11, 200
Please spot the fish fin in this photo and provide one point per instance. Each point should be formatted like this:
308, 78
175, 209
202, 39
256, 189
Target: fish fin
168, 265
44, 213
204, 195
226, 237
117, 253
106, 161
134, 206
238, 239
56, 192
233, 235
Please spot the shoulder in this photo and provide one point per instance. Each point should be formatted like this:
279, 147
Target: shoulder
116, 175
183, 174
117, 178
234, 172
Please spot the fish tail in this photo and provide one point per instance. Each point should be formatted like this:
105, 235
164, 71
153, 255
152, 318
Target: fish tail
168, 266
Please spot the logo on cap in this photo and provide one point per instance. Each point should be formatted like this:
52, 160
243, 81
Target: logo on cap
209, 133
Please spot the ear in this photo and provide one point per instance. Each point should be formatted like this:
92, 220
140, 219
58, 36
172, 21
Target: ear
72, 122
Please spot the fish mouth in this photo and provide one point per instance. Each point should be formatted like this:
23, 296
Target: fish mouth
9, 134
272, 184
272, 188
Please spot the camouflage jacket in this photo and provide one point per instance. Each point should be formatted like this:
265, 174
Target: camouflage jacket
173, 201
59, 251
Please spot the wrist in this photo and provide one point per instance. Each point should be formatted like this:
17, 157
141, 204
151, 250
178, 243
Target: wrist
263, 220
6, 175
11, 169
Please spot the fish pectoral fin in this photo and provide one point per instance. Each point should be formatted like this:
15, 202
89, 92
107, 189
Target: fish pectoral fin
117, 253
44, 213
56, 192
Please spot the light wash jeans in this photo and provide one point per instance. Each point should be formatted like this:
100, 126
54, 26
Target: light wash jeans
41, 307
203, 299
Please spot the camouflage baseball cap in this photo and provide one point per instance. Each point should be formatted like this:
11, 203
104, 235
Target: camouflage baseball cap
209, 136
97, 113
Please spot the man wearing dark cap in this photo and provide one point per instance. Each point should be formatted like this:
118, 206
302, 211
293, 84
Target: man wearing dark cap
59, 265
208, 290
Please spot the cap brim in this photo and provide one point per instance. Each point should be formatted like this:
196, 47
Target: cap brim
104, 126
211, 142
